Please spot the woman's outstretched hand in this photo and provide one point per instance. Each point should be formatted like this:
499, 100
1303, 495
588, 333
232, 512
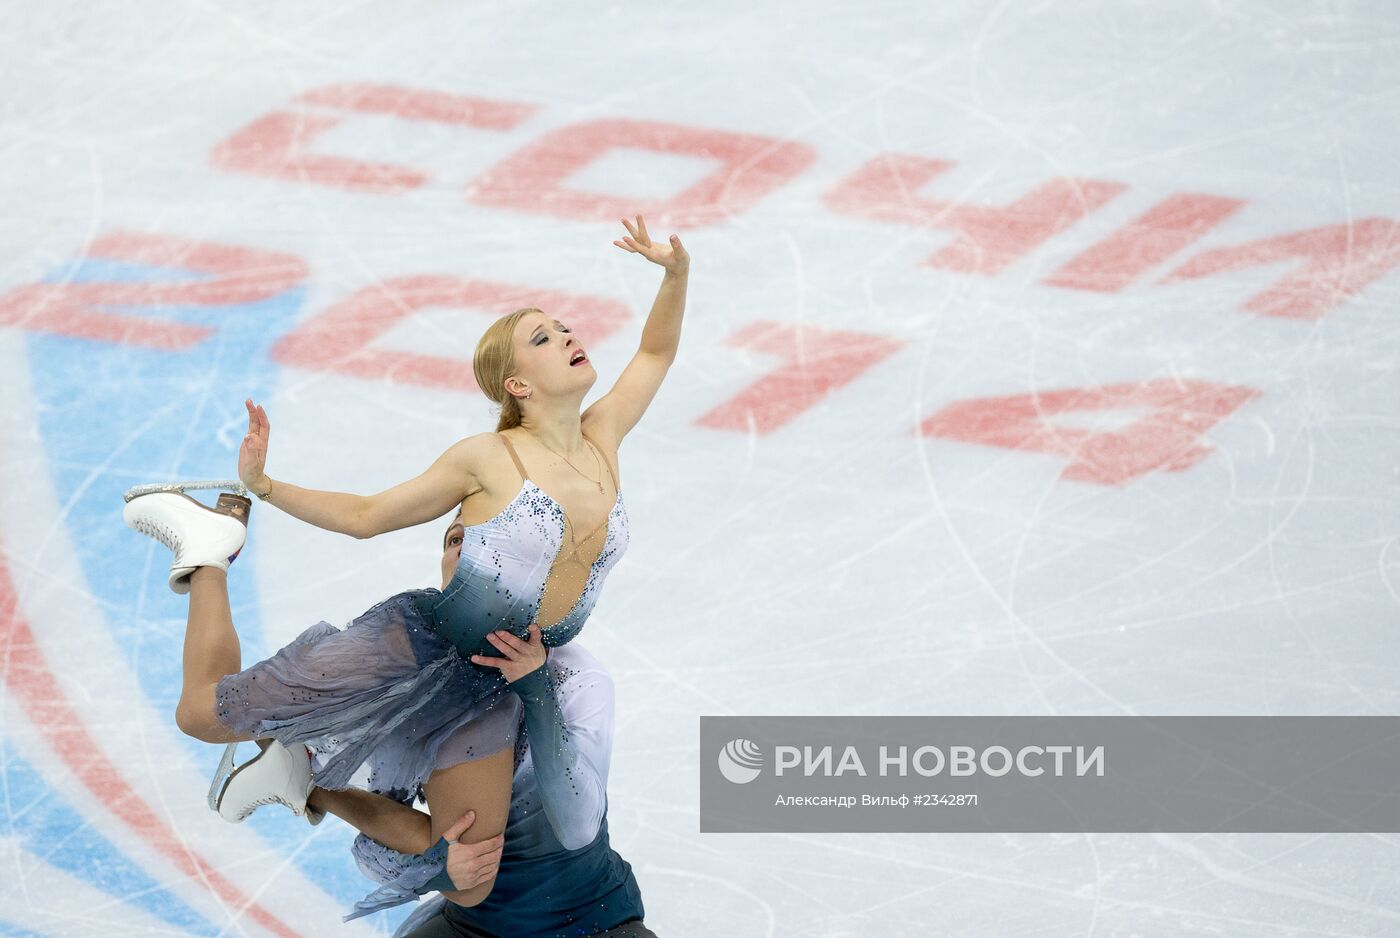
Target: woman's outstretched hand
521, 657
671, 256
252, 455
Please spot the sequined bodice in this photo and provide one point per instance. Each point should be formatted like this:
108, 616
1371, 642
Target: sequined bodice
505, 562
505, 566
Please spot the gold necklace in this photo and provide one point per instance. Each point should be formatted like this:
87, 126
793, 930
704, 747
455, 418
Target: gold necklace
573, 554
598, 481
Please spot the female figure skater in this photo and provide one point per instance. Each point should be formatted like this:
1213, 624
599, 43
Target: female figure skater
417, 686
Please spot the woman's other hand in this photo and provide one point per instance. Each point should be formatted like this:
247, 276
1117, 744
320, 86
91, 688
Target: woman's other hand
672, 256
521, 657
252, 455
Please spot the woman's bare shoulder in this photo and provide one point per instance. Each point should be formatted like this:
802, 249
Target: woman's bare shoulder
474, 453
479, 442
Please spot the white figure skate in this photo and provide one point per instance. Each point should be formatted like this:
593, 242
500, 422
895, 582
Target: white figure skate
277, 775
197, 534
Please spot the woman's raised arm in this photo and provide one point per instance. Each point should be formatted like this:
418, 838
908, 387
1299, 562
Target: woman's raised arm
618, 411
439, 489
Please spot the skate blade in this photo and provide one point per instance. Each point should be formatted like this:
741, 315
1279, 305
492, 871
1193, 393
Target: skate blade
221, 777
229, 485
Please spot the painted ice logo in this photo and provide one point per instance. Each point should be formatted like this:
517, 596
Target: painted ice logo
740, 761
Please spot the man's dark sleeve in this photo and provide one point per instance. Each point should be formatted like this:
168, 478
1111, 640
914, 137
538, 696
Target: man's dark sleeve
570, 728
403, 877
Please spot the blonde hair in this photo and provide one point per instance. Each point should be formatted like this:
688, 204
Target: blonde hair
494, 361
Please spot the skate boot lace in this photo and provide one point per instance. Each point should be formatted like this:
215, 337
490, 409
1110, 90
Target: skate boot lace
158, 531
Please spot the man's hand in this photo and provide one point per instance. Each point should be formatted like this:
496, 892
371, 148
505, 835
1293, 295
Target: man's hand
471, 865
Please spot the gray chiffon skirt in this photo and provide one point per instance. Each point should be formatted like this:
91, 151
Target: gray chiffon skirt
386, 692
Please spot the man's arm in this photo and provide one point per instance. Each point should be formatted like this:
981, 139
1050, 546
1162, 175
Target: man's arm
571, 746
447, 866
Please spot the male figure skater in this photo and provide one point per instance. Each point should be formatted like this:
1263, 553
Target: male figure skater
555, 872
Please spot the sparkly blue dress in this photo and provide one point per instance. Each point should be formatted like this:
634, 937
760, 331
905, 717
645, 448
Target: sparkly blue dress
396, 690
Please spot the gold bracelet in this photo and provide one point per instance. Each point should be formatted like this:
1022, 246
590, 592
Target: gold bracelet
269, 490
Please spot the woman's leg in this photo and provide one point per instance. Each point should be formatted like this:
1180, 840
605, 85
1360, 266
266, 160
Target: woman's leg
211, 651
483, 786
397, 826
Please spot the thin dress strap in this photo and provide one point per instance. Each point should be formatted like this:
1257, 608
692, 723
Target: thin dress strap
616, 487
514, 458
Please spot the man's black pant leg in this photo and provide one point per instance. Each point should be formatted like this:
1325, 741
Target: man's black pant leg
632, 929
439, 927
